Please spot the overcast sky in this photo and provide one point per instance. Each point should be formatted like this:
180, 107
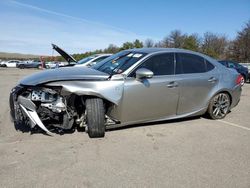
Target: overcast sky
77, 26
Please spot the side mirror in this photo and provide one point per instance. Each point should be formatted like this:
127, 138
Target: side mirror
144, 73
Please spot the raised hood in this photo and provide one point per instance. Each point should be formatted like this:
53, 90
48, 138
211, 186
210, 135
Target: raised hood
63, 74
64, 54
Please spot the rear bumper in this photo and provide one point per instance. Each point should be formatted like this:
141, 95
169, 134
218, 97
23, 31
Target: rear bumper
236, 93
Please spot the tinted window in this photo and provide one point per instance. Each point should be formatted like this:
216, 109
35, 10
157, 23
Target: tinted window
210, 66
189, 63
162, 64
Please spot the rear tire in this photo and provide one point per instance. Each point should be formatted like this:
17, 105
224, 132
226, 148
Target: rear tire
95, 117
219, 106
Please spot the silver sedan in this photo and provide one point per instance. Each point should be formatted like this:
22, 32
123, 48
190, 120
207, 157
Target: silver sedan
133, 86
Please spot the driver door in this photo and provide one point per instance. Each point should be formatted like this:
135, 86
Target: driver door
151, 98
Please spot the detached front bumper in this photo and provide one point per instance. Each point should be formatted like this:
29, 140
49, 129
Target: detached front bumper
19, 104
13, 102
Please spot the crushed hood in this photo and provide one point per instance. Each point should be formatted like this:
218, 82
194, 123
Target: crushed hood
63, 74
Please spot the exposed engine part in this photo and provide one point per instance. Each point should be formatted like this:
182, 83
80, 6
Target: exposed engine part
67, 122
57, 106
44, 106
49, 99
82, 120
109, 121
46, 95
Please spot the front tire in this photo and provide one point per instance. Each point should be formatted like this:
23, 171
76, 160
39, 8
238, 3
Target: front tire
95, 117
219, 106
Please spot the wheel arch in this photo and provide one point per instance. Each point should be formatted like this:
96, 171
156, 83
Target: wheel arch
224, 91
108, 103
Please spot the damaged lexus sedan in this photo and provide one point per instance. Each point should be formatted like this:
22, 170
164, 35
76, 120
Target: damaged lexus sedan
130, 87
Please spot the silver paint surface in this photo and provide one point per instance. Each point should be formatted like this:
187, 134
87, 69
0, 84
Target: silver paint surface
64, 73
145, 100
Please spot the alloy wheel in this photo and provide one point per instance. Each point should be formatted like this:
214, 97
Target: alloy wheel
221, 103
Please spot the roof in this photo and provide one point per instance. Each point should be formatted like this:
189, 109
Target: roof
175, 50
153, 50
104, 54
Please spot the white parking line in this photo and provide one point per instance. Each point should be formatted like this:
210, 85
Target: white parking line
234, 125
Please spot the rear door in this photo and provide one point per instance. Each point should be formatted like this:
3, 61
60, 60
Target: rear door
196, 78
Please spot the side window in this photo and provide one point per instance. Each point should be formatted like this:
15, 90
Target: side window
210, 66
162, 64
189, 63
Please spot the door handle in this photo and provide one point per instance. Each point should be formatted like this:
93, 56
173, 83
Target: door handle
212, 79
172, 84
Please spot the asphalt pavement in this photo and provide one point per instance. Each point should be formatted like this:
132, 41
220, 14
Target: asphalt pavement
195, 152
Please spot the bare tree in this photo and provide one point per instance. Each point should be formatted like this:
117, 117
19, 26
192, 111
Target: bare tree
112, 49
214, 45
149, 43
159, 44
174, 40
241, 45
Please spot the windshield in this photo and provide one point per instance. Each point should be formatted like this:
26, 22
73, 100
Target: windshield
118, 63
85, 60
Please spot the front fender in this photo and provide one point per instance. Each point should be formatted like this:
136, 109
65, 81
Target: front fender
111, 90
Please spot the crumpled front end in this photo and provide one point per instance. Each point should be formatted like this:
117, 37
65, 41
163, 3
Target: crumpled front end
38, 106
60, 106
55, 100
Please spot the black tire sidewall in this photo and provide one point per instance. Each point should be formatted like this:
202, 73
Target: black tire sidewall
95, 117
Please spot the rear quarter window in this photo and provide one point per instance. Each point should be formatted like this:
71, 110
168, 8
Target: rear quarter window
209, 65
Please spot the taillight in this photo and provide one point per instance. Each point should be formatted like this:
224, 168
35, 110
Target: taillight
239, 80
